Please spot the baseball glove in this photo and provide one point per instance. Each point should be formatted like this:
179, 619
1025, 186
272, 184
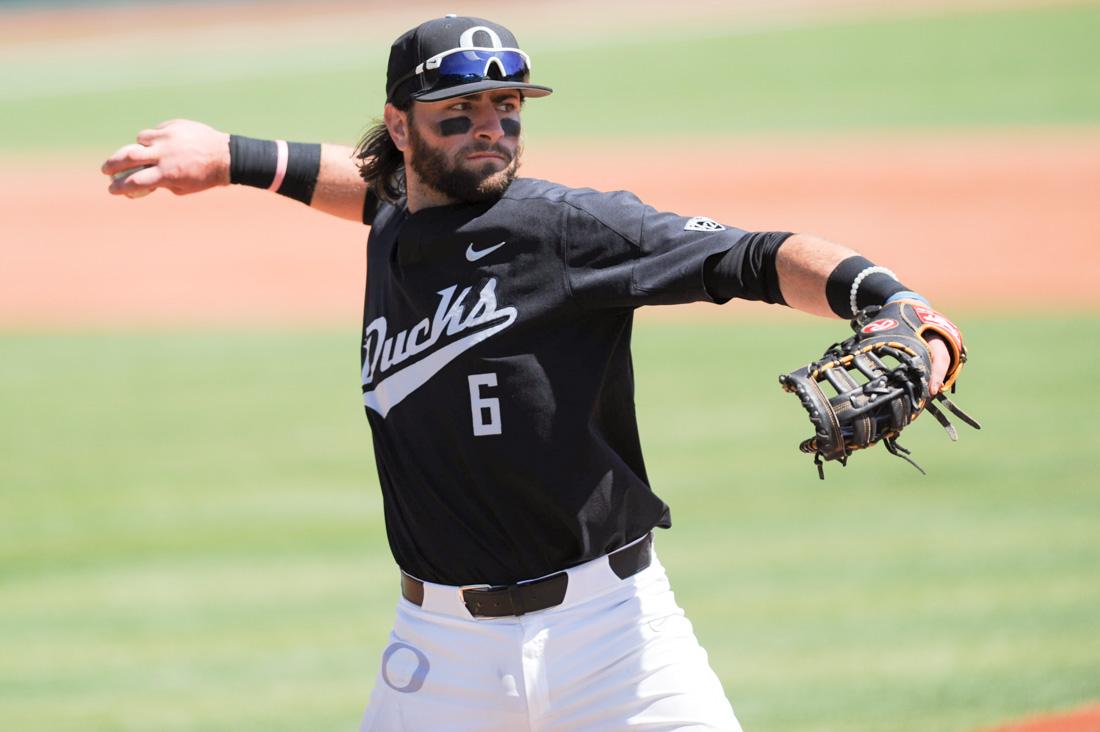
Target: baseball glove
870, 387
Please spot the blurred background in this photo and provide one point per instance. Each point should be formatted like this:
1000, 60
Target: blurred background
191, 533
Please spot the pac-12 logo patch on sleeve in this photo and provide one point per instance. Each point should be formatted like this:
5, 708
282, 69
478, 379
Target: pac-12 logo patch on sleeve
703, 223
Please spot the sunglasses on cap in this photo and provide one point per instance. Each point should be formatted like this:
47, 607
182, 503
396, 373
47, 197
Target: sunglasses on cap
470, 65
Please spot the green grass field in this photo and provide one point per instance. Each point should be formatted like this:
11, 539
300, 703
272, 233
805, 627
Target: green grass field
192, 539
1004, 68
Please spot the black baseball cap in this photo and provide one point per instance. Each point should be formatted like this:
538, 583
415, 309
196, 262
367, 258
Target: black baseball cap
455, 56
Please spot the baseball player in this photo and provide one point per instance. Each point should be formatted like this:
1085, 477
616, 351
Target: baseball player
497, 379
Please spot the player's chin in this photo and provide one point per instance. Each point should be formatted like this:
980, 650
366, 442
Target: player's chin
494, 180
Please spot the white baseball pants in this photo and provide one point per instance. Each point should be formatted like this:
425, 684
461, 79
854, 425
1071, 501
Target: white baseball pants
615, 655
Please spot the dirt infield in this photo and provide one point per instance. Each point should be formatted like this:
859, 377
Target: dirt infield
981, 221
1082, 720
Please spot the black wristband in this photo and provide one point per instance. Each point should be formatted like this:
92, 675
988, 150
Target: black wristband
874, 288
302, 166
252, 162
292, 167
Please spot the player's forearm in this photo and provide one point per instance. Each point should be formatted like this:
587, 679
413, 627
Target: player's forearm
804, 264
322, 176
340, 190
820, 277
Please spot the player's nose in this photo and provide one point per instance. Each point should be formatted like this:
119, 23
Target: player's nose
487, 125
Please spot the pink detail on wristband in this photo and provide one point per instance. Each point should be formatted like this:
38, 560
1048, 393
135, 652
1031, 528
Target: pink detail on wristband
280, 165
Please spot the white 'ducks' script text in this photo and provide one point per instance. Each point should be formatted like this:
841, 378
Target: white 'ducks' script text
383, 353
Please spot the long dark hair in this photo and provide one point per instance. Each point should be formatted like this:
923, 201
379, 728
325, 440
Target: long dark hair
381, 164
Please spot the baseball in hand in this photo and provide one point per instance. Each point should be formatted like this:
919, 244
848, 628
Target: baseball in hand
130, 171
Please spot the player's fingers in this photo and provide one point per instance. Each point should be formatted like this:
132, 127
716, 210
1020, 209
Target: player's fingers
128, 156
941, 359
140, 182
149, 136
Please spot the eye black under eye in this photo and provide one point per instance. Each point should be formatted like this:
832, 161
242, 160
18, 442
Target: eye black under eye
455, 126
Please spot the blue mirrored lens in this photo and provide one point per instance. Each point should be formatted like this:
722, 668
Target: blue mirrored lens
466, 67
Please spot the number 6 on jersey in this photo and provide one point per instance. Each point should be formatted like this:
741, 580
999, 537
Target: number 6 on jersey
485, 410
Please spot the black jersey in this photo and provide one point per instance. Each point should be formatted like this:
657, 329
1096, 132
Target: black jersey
497, 374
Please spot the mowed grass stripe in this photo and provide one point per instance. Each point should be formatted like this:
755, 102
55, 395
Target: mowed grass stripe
994, 68
192, 534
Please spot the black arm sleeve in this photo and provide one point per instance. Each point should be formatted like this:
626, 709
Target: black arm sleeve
747, 270
371, 204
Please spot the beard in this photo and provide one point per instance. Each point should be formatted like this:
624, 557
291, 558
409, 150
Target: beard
468, 185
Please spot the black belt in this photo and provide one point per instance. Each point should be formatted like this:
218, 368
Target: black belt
497, 601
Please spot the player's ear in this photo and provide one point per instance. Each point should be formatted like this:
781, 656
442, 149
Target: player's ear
397, 122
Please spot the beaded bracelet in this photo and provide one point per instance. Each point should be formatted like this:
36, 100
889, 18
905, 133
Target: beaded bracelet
859, 279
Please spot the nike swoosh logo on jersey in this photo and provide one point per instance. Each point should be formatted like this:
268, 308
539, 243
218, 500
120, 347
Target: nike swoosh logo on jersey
451, 318
472, 255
